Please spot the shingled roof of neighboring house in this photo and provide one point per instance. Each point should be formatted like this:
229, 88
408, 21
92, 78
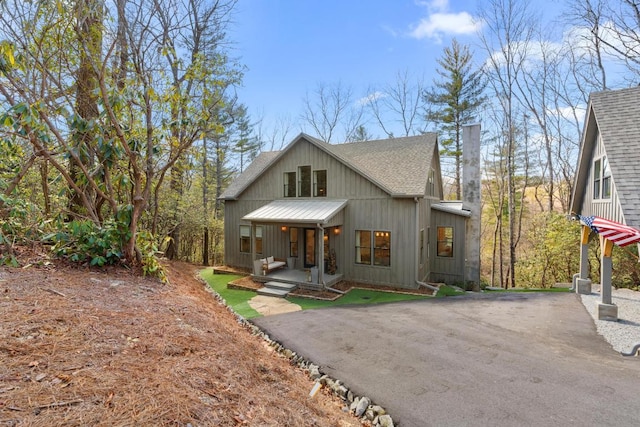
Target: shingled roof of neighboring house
616, 115
400, 166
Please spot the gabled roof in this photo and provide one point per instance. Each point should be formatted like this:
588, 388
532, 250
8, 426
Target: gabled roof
399, 166
255, 169
616, 114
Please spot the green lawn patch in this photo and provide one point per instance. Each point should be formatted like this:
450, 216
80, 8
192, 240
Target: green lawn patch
355, 296
236, 299
448, 291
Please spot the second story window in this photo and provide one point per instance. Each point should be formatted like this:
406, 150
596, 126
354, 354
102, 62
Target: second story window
320, 183
601, 179
289, 184
431, 183
304, 188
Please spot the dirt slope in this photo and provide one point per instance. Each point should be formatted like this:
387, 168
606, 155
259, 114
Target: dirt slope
106, 348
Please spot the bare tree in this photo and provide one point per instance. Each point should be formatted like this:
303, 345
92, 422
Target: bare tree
398, 104
587, 47
276, 136
330, 111
507, 40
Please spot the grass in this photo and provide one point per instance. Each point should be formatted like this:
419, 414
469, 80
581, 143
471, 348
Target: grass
448, 291
355, 296
236, 299
239, 300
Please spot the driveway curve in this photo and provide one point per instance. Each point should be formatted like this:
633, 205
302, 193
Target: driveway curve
512, 359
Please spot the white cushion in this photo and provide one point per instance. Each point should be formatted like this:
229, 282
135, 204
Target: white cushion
270, 260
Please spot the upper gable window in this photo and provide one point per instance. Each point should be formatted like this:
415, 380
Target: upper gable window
289, 184
304, 188
431, 183
320, 183
601, 179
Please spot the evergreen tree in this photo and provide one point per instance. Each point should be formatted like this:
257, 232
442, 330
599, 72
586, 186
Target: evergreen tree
247, 144
360, 134
454, 101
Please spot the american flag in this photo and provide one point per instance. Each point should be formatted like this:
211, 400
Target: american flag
620, 234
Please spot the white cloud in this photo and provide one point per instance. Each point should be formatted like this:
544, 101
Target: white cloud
371, 97
438, 24
440, 21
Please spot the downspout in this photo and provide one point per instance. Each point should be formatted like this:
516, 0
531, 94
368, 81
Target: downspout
417, 251
417, 241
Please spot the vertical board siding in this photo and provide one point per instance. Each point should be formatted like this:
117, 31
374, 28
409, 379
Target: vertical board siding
444, 269
394, 215
368, 208
607, 208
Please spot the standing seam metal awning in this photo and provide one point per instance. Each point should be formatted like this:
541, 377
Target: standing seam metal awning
297, 211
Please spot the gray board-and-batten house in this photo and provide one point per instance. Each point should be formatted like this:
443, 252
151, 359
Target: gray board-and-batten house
369, 212
607, 181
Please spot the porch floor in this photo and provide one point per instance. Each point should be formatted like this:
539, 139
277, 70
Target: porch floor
298, 277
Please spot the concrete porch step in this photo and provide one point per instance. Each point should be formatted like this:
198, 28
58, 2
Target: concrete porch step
276, 289
280, 285
272, 292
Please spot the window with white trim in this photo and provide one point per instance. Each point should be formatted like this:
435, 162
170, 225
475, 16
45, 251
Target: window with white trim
601, 179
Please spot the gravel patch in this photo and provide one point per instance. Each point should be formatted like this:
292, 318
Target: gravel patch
624, 334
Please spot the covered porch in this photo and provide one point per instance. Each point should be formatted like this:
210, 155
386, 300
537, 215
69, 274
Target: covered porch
299, 277
309, 230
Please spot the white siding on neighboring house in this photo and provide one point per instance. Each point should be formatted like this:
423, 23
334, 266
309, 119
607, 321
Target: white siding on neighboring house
605, 207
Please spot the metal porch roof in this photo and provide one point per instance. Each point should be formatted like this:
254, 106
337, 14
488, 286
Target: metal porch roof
297, 211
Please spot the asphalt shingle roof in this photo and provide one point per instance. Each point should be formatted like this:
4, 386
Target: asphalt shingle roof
617, 114
399, 166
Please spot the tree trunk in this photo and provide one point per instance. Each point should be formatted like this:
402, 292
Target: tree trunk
89, 33
205, 247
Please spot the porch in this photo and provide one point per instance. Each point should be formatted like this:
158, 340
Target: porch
297, 277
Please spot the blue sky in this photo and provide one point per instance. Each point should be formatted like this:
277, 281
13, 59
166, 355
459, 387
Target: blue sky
289, 46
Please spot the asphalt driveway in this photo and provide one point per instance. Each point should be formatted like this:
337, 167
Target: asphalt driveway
512, 359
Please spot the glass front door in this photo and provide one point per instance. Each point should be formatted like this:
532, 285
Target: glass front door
309, 247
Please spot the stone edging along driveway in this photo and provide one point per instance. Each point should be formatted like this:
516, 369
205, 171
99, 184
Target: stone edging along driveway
360, 406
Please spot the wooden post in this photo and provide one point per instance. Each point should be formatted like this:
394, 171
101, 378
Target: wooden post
606, 309
606, 248
320, 255
584, 252
253, 247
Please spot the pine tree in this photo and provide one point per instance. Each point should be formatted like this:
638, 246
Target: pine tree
454, 101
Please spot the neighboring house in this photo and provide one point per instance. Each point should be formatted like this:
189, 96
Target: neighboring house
372, 208
607, 182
